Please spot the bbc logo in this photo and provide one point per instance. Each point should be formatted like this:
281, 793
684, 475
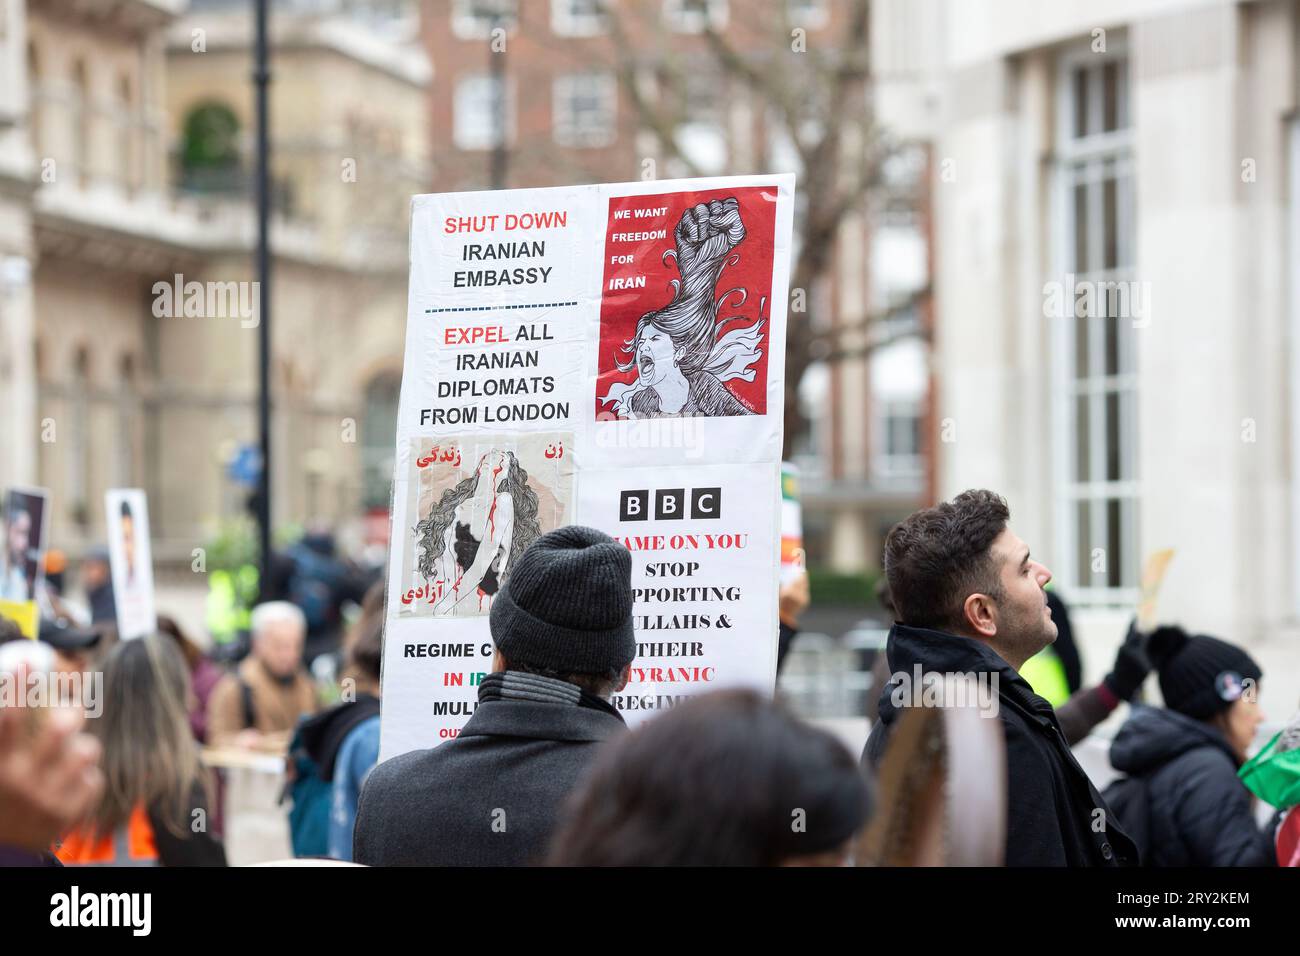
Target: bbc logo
670, 504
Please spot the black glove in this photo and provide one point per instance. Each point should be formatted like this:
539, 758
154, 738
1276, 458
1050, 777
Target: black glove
1131, 664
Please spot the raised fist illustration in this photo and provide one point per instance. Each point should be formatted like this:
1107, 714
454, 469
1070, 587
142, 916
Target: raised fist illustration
708, 232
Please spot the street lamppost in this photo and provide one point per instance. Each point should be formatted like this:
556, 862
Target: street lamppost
261, 80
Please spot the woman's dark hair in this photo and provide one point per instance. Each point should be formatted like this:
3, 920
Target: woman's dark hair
527, 529
192, 652
150, 757
726, 779
366, 653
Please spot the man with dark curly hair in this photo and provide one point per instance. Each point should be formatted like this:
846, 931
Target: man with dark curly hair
969, 603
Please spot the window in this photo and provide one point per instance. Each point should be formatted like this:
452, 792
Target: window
702, 136
37, 94
126, 135
484, 110
579, 18
210, 150
585, 106
476, 19
695, 16
1094, 332
81, 122
78, 462
898, 372
379, 425
900, 440
124, 444
705, 145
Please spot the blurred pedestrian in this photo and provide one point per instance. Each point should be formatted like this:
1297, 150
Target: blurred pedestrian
154, 808
370, 613
259, 704
49, 780
56, 567
969, 601
342, 745
74, 651
562, 626
725, 779
1181, 798
204, 675
97, 583
1273, 775
794, 597
1090, 706
319, 585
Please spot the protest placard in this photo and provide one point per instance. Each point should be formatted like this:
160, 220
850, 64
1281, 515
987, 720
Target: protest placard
131, 559
607, 355
22, 556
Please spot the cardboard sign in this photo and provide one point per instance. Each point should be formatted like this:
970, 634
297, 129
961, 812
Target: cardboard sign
611, 356
1153, 575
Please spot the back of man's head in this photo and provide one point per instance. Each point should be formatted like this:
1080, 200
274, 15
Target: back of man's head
936, 557
565, 609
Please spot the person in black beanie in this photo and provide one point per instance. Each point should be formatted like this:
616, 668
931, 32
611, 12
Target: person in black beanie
562, 626
1181, 800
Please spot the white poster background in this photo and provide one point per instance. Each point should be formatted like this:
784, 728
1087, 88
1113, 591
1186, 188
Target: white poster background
434, 656
131, 560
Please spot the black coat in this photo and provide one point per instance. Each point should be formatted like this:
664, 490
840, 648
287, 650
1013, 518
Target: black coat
491, 797
1052, 806
1191, 806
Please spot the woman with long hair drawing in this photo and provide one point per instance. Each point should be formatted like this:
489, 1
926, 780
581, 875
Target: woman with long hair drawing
680, 353
473, 535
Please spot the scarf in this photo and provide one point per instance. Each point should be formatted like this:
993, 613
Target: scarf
518, 685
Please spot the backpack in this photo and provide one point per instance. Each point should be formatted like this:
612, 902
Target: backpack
313, 752
1129, 799
312, 796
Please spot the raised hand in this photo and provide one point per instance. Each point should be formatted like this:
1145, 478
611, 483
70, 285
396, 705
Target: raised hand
707, 232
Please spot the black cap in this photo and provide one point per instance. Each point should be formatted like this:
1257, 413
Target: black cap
67, 637
1199, 675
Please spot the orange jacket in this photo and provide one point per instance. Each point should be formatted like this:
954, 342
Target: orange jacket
131, 845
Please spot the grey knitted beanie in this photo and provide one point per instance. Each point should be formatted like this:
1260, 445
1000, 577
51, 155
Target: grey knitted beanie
567, 604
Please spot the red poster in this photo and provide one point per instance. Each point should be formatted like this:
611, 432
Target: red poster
685, 304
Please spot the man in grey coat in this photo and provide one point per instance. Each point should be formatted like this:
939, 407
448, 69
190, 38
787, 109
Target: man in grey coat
562, 626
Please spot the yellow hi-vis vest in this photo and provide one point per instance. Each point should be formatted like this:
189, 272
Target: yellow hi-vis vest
1046, 675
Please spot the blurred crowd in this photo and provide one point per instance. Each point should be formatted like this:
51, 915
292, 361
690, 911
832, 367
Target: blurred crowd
546, 771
